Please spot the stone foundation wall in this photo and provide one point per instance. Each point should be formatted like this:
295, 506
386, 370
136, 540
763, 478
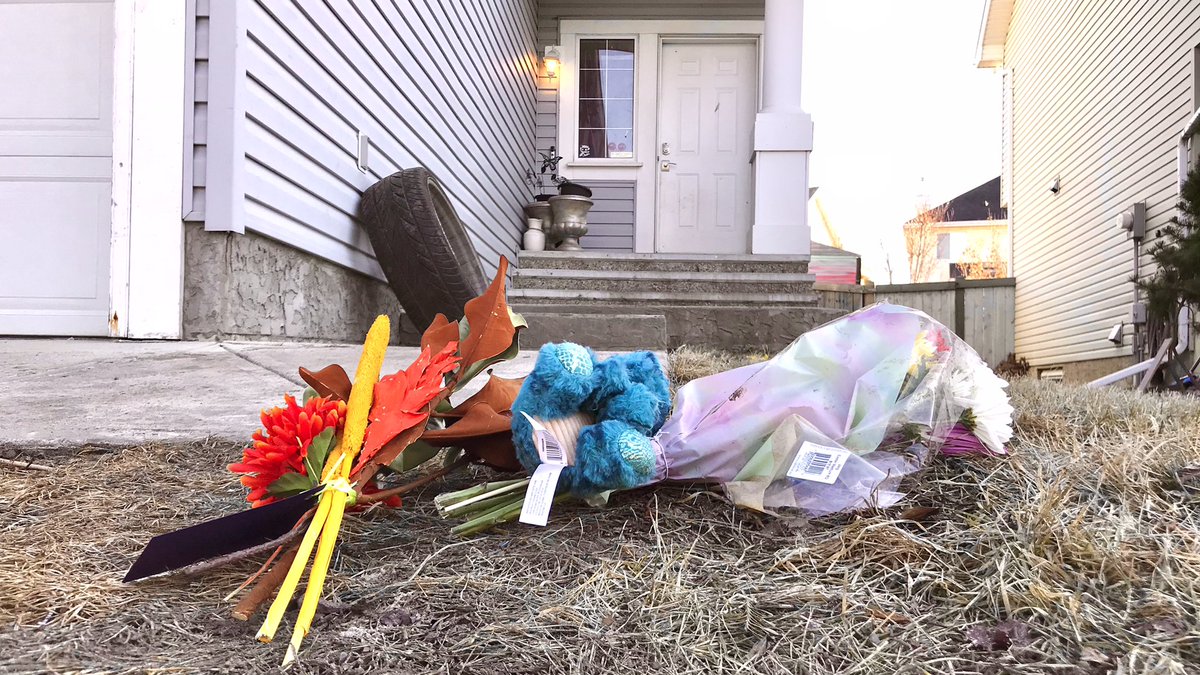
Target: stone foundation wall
249, 287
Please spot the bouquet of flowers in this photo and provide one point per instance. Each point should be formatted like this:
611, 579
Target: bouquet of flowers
831, 423
317, 458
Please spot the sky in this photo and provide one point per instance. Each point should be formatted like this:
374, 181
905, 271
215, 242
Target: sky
901, 114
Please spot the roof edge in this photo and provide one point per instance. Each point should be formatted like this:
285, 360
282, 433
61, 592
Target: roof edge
993, 33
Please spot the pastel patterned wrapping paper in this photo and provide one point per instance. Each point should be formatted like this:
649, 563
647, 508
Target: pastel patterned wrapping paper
885, 385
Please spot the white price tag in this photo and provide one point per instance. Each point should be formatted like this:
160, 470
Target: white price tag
819, 463
539, 496
543, 484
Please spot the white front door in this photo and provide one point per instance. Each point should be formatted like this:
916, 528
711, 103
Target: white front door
708, 99
55, 166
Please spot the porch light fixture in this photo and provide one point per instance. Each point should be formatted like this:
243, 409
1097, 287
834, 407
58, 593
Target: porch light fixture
552, 59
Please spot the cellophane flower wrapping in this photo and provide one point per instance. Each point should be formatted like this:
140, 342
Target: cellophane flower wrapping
887, 385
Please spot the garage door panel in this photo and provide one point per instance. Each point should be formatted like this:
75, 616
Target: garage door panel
55, 166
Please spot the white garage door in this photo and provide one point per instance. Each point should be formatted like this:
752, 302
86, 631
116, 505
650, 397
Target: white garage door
55, 166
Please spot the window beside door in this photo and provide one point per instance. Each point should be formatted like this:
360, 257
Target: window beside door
606, 110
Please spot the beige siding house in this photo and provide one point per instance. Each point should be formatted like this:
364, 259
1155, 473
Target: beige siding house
1098, 96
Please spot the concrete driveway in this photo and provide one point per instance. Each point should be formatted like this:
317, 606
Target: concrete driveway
70, 392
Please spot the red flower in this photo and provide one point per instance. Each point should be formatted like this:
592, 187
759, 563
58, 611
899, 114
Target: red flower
282, 444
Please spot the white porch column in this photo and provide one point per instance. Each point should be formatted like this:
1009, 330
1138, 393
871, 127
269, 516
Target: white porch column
782, 137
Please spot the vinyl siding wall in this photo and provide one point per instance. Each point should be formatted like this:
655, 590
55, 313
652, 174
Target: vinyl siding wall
196, 100
1100, 92
605, 232
448, 85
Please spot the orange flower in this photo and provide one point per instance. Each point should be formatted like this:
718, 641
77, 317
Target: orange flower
400, 399
282, 444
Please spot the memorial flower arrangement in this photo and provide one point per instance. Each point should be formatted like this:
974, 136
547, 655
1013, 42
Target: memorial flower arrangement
832, 423
337, 449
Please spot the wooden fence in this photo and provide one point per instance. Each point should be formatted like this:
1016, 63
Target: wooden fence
980, 311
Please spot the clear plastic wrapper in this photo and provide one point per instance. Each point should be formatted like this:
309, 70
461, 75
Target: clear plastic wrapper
874, 393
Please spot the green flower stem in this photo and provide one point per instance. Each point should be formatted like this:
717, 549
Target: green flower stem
503, 513
465, 505
507, 512
450, 498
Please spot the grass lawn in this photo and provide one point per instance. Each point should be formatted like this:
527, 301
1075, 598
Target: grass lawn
1079, 553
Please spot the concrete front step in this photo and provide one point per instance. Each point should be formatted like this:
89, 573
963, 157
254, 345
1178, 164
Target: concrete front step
731, 327
664, 262
639, 299
603, 331
657, 281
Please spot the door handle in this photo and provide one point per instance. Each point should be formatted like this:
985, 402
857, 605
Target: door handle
665, 165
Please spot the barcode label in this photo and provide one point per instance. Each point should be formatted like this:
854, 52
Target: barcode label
819, 463
549, 449
543, 484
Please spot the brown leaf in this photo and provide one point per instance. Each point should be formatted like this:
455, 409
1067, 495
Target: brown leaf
919, 513
496, 451
491, 327
439, 334
482, 433
330, 382
479, 420
498, 394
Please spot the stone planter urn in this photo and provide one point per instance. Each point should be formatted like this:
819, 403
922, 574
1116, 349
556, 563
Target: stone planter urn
568, 221
539, 210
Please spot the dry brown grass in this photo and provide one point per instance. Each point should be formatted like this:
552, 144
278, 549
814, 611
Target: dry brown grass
1080, 553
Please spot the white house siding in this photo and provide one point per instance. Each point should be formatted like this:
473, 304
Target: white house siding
448, 85
1100, 92
610, 222
550, 13
196, 126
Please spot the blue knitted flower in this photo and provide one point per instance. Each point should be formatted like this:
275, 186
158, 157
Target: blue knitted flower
629, 396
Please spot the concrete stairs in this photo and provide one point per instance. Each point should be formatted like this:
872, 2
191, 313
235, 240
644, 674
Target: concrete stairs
664, 301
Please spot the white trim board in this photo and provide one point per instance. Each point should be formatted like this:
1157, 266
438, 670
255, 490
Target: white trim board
146, 277
649, 35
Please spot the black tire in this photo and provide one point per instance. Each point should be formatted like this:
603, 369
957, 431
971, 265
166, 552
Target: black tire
422, 246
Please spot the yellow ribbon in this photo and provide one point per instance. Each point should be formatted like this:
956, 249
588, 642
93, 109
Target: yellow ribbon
327, 520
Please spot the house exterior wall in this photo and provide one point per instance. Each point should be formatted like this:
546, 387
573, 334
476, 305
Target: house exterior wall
610, 222
549, 17
1099, 94
195, 142
446, 84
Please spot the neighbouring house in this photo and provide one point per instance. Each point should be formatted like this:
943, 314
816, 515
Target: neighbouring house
1101, 112
971, 240
831, 265
193, 168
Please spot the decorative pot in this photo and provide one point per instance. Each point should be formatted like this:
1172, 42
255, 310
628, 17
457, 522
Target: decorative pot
534, 238
569, 221
539, 210
569, 188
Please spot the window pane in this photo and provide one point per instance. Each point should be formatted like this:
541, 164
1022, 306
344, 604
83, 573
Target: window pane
617, 113
592, 143
606, 105
620, 143
590, 84
618, 83
589, 53
591, 113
